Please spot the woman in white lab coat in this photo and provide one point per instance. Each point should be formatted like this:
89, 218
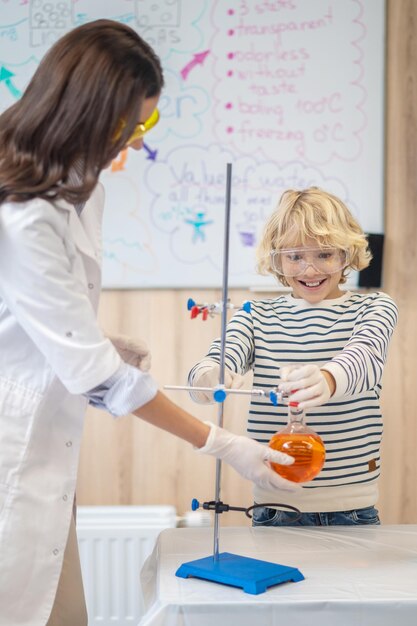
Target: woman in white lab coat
94, 93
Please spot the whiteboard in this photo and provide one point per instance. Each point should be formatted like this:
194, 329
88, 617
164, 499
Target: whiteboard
288, 91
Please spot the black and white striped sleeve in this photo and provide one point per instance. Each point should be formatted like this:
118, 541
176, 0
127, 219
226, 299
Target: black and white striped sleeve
360, 364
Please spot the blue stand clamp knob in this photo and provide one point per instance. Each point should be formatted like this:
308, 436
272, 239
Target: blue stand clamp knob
273, 396
219, 395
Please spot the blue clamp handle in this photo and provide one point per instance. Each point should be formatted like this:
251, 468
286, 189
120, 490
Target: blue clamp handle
195, 504
246, 306
273, 396
190, 303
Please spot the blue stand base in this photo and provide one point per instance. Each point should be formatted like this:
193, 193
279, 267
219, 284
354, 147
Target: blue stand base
252, 575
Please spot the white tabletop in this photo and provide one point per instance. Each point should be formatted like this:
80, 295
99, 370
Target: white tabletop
354, 576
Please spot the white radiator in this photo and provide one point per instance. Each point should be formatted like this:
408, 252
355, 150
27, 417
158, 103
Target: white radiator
114, 542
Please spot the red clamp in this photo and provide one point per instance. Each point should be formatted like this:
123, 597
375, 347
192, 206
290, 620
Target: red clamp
196, 310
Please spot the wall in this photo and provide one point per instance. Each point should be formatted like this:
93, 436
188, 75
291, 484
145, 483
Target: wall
399, 495
127, 461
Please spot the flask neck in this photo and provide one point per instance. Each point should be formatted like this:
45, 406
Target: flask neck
297, 423
295, 415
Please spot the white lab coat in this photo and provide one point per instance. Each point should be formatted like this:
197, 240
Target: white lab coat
51, 351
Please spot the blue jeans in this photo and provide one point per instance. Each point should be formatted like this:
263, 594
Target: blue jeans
265, 516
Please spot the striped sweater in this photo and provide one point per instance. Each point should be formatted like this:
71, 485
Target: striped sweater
349, 337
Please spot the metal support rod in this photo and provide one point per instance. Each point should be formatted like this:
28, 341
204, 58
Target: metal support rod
225, 285
225, 273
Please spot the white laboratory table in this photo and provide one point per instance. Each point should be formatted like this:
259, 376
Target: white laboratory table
354, 576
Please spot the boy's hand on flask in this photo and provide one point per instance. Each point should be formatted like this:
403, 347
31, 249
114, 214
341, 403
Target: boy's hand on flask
133, 351
307, 384
249, 458
207, 375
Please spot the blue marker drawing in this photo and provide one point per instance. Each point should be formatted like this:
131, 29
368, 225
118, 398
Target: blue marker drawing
198, 223
124, 242
150, 154
6, 77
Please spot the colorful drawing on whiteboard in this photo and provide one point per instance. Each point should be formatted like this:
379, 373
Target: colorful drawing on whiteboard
289, 91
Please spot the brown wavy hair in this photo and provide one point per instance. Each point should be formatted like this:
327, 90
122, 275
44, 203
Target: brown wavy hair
90, 79
317, 214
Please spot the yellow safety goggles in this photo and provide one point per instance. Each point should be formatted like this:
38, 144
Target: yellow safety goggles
140, 129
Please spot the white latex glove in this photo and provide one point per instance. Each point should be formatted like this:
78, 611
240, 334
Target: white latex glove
208, 376
309, 382
133, 351
249, 458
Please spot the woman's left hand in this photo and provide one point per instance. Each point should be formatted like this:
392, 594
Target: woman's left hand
133, 351
307, 384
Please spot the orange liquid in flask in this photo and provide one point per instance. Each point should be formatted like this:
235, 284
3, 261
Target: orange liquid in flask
302, 443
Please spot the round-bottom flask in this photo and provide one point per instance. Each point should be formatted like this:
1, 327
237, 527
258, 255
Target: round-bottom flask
302, 443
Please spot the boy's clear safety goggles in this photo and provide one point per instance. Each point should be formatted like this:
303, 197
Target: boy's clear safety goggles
140, 129
294, 262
